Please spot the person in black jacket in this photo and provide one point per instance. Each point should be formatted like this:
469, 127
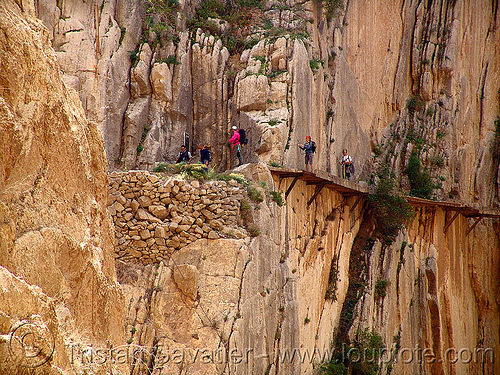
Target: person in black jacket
204, 155
184, 155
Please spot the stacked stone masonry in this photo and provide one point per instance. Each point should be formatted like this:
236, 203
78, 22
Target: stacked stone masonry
154, 217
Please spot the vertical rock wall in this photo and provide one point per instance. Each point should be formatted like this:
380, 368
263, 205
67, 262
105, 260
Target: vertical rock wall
93, 41
56, 236
384, 77
436, 296
251, 305
392, 78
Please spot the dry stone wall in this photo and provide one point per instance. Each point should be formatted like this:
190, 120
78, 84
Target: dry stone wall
154, 217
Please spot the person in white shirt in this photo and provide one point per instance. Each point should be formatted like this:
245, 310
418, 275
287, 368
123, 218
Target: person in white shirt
347, 166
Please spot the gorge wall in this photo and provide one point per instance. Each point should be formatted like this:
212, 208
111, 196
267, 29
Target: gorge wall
384, 77
391, 81
58, 277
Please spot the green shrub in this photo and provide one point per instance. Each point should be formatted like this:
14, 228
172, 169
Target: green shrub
380, 288
254, 194
414, 104
140, 148
333, 7
413, 137
164, 168
123, 30
314, 64
249, 43
196, 171
438, 161
273, 122
377, 149
244, 206
389, 208
440, 134
233, 176
134, 56
275, 164
233, 43
274, 74
278, 198
332, 368
329, 114
249, 3
420, 181
300, 35
371, 345
253, 231
172, 60
262, 59
210, 9
235, 13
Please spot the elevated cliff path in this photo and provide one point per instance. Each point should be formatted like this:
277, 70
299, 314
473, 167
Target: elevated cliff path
348, 188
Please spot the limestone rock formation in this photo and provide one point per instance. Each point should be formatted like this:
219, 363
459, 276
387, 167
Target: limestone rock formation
56, 235
399, 84
338, 74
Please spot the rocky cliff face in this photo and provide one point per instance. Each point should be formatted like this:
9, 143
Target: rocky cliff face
378, 77
410, 88
238, 306
56, 236
316, 284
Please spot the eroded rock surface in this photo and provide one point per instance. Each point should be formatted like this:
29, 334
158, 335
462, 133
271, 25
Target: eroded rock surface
56, 236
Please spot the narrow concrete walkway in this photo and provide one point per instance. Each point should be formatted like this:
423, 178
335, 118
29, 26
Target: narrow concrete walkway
349, 188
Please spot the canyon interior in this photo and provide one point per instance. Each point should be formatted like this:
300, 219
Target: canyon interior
109, 266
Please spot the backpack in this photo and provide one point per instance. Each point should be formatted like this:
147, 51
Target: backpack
313, 148
243, 137
209, 156
351, 168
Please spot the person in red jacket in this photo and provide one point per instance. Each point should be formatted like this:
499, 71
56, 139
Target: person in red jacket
235, 141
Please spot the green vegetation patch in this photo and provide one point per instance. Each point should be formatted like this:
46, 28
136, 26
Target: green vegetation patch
415, 104
237, 13
390, 209
381, 288
255, 194
277, 198
333, 8
420, 180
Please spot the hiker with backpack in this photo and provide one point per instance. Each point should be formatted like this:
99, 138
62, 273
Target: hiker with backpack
237, 139
310, 148
347, 165
205, 156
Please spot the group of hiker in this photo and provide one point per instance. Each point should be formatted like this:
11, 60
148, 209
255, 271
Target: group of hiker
345, 161
185, 155
238, 139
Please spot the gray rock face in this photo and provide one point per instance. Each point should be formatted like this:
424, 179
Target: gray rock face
92, 41
287, 87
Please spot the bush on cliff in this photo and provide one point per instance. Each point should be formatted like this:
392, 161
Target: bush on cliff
420, 181
390, 209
